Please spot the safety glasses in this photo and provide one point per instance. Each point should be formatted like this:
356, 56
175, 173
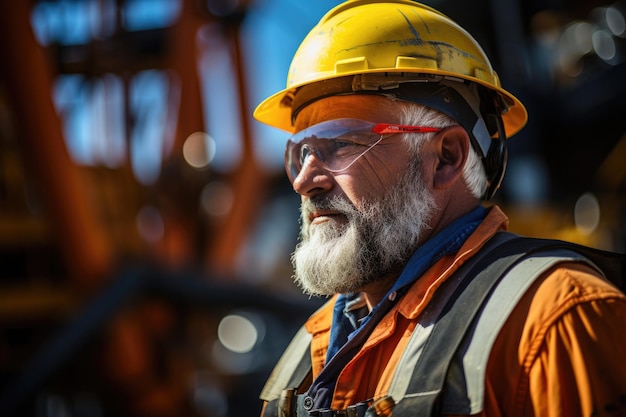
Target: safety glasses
339, 143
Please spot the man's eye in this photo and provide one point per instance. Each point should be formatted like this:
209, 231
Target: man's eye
345, 143
305, 151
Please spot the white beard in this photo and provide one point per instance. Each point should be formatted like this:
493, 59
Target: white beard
376, 240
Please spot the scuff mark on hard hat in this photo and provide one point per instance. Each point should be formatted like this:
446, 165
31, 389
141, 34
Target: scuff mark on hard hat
451, 48
416, 34
368, 45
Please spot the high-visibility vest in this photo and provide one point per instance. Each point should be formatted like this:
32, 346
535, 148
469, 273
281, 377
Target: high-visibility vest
450, 346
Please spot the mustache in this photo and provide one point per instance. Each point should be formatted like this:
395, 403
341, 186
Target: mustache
322, 202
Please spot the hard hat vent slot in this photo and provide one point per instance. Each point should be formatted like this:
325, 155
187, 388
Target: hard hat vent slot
351, 65
416, 62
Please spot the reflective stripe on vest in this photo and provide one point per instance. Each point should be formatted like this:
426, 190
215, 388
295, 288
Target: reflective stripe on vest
463, 392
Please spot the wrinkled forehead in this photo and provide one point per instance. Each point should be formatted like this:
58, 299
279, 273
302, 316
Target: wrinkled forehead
374, 108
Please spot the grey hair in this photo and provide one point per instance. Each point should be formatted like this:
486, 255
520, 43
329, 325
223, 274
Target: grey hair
474, 173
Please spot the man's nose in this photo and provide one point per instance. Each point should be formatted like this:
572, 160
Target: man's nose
314, 178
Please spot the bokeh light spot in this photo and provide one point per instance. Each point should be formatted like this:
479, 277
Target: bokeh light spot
587, 213
237, 333
199, 150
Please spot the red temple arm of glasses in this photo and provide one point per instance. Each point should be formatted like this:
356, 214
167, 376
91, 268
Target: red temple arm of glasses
388, 128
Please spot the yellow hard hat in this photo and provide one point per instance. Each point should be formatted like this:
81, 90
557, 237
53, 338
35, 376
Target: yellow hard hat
393, 39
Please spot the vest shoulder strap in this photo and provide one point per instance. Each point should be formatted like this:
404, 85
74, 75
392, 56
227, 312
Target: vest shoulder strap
292, 369
463, 392
449, 367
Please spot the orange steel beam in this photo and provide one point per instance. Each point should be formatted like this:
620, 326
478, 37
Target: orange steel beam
248, 181
184, 54
28, 80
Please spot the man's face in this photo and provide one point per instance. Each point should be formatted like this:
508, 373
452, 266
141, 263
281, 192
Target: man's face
362, 224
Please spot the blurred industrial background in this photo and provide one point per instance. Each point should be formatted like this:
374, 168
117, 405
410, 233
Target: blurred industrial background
145, 221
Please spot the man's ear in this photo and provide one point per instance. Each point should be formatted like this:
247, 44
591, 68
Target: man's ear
452, 146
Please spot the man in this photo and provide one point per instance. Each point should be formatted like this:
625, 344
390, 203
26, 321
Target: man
400, 128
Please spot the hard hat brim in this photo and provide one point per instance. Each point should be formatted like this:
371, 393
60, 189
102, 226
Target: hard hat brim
276, 110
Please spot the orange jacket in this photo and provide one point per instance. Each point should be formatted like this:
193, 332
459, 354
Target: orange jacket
561, 352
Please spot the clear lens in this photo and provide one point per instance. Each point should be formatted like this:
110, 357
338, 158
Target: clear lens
336, 144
